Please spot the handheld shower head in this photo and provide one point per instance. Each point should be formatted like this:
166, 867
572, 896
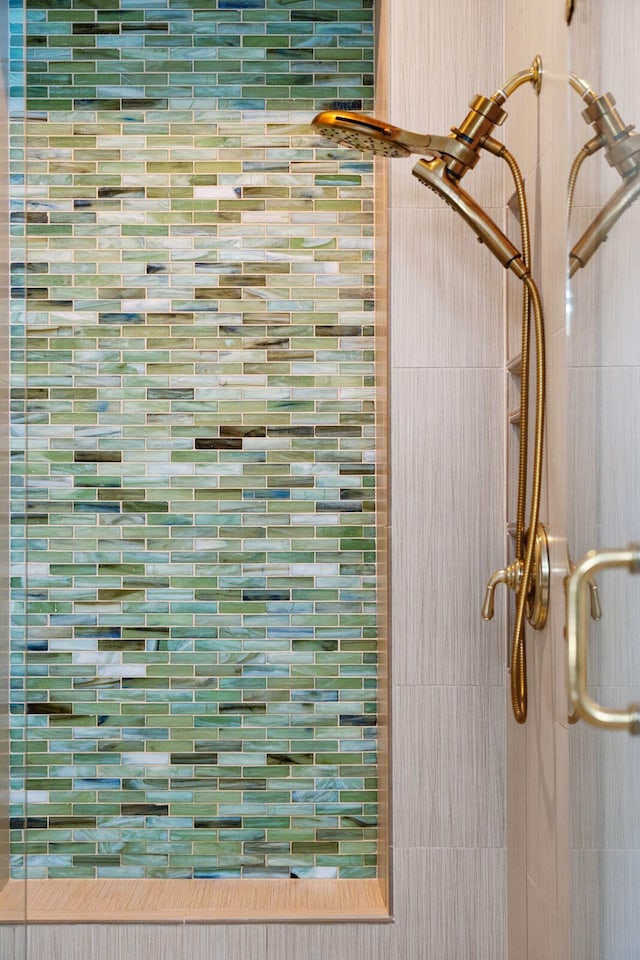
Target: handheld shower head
433, 174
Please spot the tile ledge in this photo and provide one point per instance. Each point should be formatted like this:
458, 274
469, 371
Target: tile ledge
192, 901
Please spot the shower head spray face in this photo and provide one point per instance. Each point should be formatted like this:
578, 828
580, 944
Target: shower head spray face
361, 133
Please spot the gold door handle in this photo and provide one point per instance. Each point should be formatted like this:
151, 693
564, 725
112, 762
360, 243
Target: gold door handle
578, 640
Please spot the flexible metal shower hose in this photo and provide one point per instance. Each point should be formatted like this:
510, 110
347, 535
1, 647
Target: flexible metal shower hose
530, 298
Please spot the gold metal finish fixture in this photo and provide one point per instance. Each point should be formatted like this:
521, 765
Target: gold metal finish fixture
537, 598
596, 614
526, 561
622, 151
569, 10
511, 576
361, 132
433, 174
533, 76
598, 230
459, 150
578, 641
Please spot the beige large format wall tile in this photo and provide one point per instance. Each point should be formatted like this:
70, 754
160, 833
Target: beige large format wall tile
212, 942
447, 295
104, 942
450, 904
606, 919
448, 785
441, 56
448, 524
605, 781
13, 942
328, 942
448, 518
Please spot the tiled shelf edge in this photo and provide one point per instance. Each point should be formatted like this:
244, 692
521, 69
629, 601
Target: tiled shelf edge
192, 901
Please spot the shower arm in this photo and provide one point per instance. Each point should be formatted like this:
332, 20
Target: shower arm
533, 75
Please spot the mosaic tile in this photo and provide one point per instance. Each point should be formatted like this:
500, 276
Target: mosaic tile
194, 371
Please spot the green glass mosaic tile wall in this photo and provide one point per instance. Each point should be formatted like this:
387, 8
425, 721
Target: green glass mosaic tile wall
200, 691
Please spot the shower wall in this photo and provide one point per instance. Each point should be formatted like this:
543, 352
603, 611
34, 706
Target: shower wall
447, 397
201, 569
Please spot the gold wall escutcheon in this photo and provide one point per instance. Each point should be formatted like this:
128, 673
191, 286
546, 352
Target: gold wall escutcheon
538, 597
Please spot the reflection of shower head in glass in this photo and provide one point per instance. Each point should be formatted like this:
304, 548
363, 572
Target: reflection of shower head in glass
622, 150
598, 230
622, 146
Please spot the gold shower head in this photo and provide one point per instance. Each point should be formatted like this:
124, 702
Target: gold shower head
460, 149
370, 135
434, 176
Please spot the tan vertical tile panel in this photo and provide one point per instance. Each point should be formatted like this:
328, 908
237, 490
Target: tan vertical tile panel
13, 942
441, 56
104, 942
446, 293
449, 766
323, 942
211, 942
450, 904
448, 514
607, 878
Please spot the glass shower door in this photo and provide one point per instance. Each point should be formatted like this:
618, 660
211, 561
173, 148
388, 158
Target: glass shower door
604, 477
